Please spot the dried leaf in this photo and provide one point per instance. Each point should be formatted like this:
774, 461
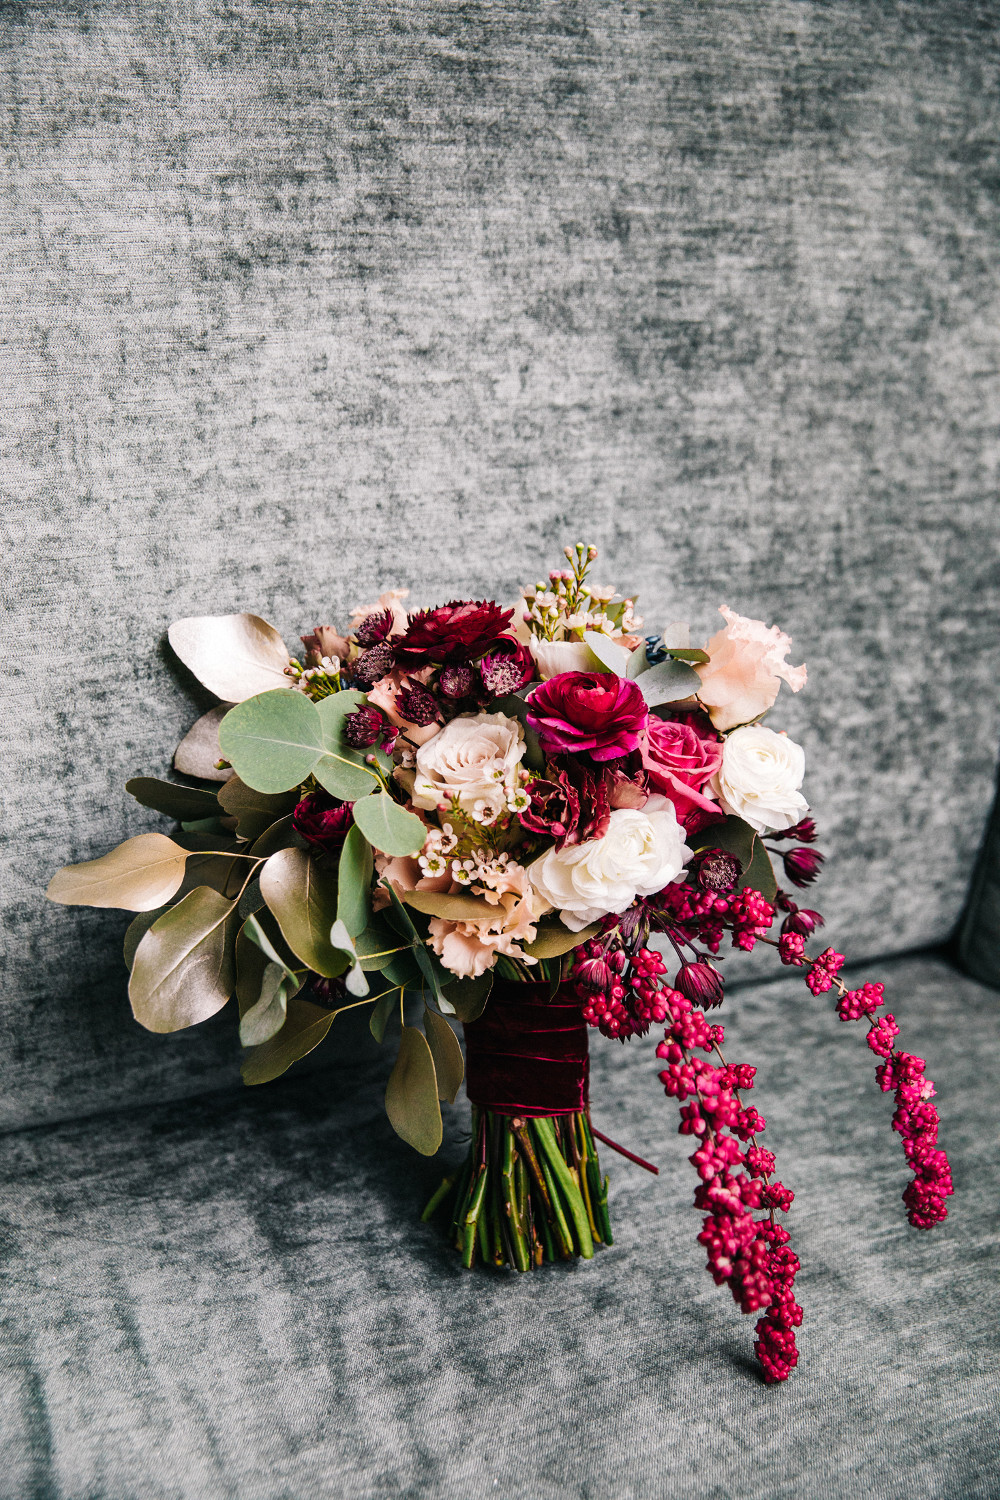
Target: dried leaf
411, 1095
223, 872
198, 751
235, 656
136, 931
183, 969
446, 1050
305, 1027
139, 875
303, 898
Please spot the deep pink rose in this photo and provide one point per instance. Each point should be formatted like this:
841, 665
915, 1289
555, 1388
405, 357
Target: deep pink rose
595, 713
679, 756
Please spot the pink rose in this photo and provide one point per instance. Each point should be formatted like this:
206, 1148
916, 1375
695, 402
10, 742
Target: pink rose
595, 713
679, 756
746, 665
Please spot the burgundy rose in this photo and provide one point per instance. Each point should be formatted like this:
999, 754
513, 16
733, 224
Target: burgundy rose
322, 821
507, 667
679, 756
452, 634
594, 713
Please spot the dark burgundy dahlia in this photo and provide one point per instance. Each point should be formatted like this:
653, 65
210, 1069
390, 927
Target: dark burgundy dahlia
452, 634
594, 713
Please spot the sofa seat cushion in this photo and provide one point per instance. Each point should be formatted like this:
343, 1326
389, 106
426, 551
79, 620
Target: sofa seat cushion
234, 1296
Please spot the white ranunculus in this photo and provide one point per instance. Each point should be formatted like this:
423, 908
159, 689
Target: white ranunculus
475, 759
760, 777
640, 854
553, 657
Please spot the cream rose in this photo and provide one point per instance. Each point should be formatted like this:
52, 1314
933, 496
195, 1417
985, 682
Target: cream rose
746, 666
760, 777
640, 854
553, 657
474, 760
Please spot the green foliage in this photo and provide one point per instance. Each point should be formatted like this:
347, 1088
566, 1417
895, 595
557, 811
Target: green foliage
354, 879
303, 897
272, 741
411, 1095
668, 682
178, 802
183, 971
389, 827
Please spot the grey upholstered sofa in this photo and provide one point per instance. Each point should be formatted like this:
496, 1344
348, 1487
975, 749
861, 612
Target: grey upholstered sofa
304, 299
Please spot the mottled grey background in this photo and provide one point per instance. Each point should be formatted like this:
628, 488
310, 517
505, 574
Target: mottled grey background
300, 300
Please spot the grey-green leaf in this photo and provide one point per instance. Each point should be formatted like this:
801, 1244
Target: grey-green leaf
613, 658
254, 811
446, 1050
668, 682
411, 1095
389, 827
273, 740
468, 997
303, 898
354, 882
343, 770
266, 1018
382, 1012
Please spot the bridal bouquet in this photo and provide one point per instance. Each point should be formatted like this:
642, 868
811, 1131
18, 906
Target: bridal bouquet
533, 820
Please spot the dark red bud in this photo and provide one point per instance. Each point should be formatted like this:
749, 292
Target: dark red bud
363, 727
802, 865
701, 984
803, 921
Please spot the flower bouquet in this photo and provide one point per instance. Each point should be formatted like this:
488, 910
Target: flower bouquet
532, 821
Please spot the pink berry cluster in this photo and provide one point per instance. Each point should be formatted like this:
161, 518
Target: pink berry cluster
621, 991
750, 1255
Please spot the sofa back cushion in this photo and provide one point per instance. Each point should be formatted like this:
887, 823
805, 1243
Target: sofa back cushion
301, 302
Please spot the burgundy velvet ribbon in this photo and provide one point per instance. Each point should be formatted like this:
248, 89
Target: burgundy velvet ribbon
527, 1054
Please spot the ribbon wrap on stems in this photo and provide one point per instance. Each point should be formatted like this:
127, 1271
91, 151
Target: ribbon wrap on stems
527, 1053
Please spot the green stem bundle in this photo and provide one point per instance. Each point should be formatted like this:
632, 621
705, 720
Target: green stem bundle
530, 1190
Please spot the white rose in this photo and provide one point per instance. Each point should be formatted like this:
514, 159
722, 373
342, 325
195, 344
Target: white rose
760, 777
640, 854
475, 760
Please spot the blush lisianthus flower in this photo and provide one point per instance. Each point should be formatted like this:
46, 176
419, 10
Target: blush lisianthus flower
453, 634
745, 669
679, 756
759, 778
595, 713
641, 852
474, 760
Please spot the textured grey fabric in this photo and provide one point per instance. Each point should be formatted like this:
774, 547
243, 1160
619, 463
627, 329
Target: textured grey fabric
303, 299
233, 1297
979, 933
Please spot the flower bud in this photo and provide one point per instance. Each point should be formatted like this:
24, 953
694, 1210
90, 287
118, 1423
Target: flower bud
802, 921
701, 984
802, 865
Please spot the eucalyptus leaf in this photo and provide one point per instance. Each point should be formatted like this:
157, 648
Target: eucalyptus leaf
411, 1095
251, 962
173, 800
303, 898
759, 874
446, 1050
343, 770
354, 882
136, 931
305, 1027
199, 750
456, 908
280, 835
265, 1018
638, 661
468, 997
139, 875
613, 658
183, 970
689, 654
235, 656
374, 946
668, 682
254, 811
382, 1012
223, 872
273, 740
389, 827
423, 957
554, 939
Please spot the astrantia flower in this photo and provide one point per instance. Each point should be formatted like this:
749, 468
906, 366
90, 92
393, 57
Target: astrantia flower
452, 634
507, 667
595, 713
